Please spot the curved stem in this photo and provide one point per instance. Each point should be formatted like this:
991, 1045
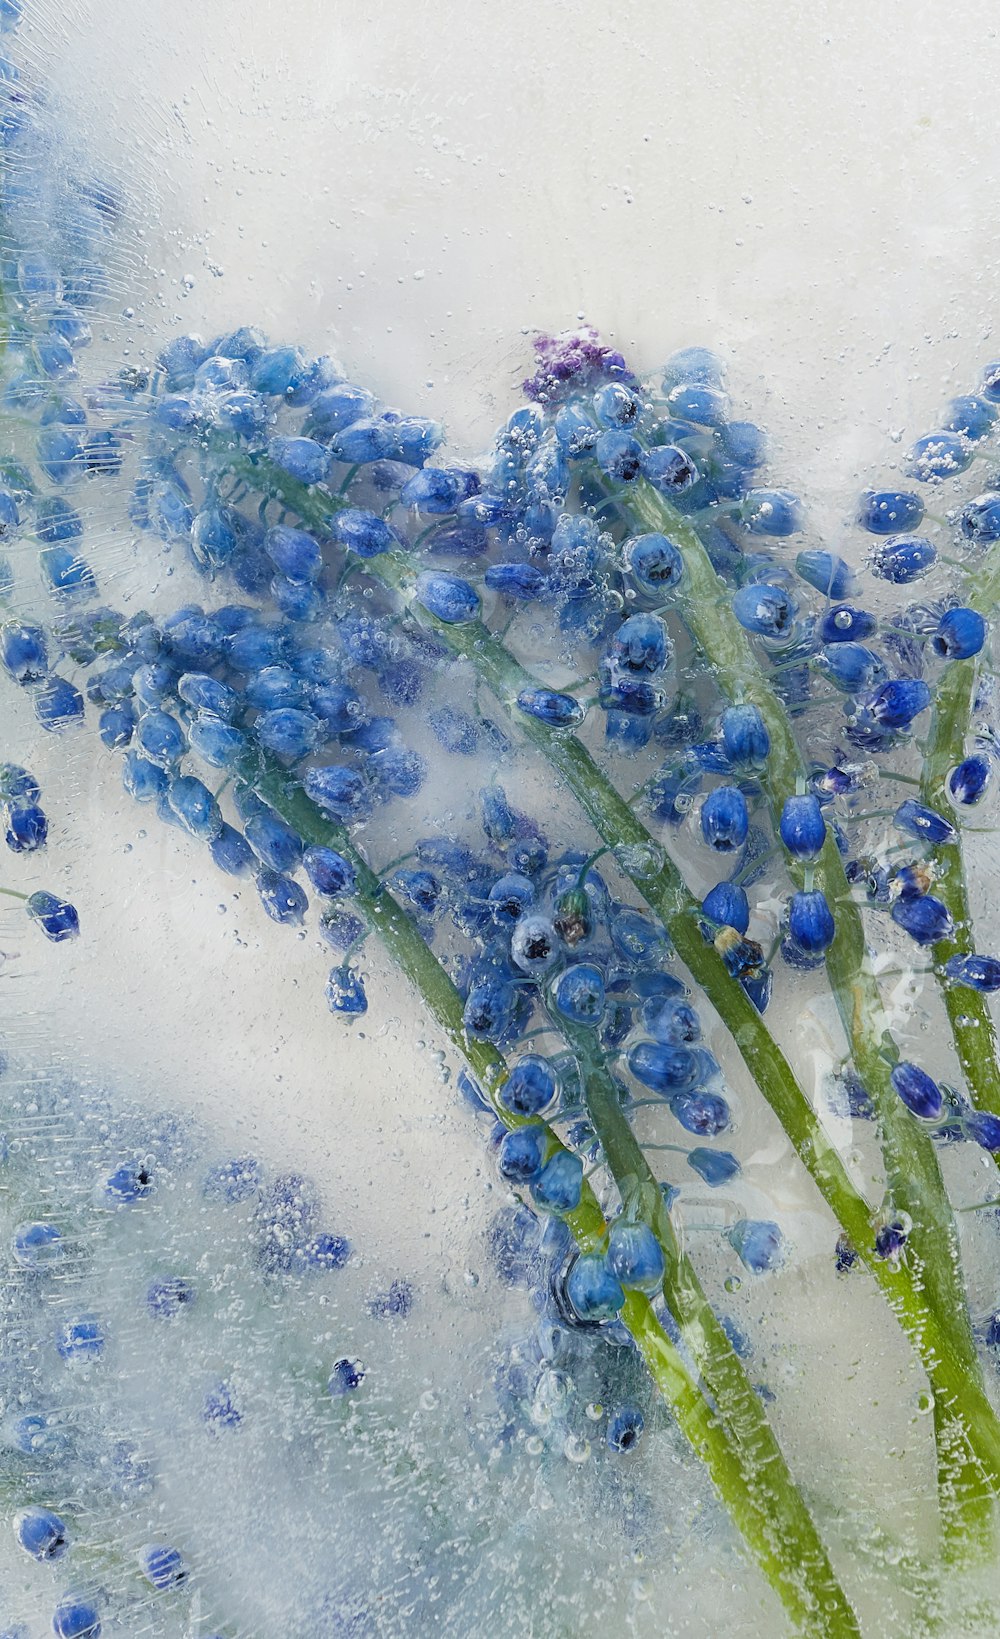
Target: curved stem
731, 1435
927, 1297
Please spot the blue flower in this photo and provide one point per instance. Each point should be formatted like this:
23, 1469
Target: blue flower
917, 1091
724, 819
961, 633
888, 511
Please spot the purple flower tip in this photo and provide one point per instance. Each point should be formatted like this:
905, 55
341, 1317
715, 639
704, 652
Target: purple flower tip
574, 357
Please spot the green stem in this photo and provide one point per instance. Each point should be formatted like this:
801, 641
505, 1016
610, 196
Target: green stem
733, 1437
968, 1010
936, 1324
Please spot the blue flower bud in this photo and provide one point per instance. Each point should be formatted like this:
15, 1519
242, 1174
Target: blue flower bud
727, 904
619, 456
655, 563
329, 872
961, 633
42, 1534
978, 972
76, 1619
282, 898
810, 922
364, 533
724, 819
967, 782
895, 704
701, 402
846, 624
522, 1154
447, 597
917, 1091
579, 994
802, 827
937, 456
669, 469
903, 559
775, 512
23, 652
56, 918
302, 458
662, 1068
559, 1185
702, 1113
887, 511
592, 1289
924, 823
549, 706
971, 416
338, 790
345, 992
924, 918
982, 1128
745, 738
635, 1256
162, 1566
530, 1087
715, 1167
535, 945
294, 553
759, 1244
520, 581
980, 519
641, 645
764, 609
625, 1429
852, 666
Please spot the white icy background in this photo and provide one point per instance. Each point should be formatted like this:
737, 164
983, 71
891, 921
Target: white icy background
416, 188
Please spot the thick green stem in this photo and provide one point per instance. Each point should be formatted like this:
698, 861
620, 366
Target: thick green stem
926, 1296
731, 1434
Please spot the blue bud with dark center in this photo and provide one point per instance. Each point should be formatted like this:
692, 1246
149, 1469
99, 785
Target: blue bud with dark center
977, 972
669, 469
42, 1534
625, 1429
619, 456
967, 782
522, 1154
887, 511
918, 1091
655, 563
579, 993
767, 610
700, 1112
980, 519
802, 827
925, 919
724, 819
961, 633
903, 558
810, 922
530, 1087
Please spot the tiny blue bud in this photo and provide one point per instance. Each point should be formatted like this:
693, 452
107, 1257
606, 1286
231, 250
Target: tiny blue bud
592, 1289
968, 781
531, 1086
937, 456
887, 511
549, 706
716, 1167
346, 1376
917, 1091
978, 972
924, 918
447, 597
759, 1244
775, 512
961, 633
803, 828
579, 995
764, 609
727, 904
662, 1068
895, 704
625, 1429
725, 821
668, 469
559, 1185
980, 519
522, 1154
846, 624
635, 1256
810, 922
162, 1566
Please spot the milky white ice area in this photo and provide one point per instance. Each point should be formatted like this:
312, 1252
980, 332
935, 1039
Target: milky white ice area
417, 188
